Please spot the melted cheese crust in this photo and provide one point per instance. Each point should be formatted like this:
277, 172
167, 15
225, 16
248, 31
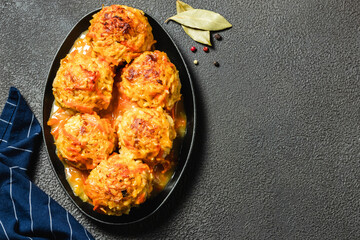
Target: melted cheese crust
147, 133
83, 82
85, 140
119, 183
120, 33
152, 80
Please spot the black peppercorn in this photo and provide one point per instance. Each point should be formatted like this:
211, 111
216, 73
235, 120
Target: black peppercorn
218, 37
216, 64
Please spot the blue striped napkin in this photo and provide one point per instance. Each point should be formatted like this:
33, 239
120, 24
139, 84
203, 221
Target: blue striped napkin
26, 212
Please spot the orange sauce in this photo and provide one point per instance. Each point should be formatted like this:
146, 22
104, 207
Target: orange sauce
58, 119
81, 45
76, 179
118, 105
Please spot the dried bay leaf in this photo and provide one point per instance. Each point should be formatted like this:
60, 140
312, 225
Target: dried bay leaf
197, 35
201, 19
182, 7
201, 36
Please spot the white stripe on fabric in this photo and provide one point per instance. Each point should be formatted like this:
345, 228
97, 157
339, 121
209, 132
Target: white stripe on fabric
51, 225
67, 216
4, 230
21, 149
11, 103
19, 168
11, 197
31, 218
86, 234
2, 140
32, 119
5, 121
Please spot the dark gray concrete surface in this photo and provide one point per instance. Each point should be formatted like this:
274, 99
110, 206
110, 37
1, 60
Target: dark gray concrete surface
277, 155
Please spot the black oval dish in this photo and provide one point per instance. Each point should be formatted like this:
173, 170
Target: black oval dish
164, 43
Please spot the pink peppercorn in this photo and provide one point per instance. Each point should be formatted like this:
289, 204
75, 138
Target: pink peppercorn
206, 49
193, 49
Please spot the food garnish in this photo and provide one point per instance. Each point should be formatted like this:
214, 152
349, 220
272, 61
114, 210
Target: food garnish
201, 36
218, 37
198, 23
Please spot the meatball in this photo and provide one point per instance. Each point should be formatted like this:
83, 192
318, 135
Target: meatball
147, 133
118, 183
152, 80
83, 82
85, 140
120, 33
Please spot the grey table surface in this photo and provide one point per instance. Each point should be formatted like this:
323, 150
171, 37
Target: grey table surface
277, 150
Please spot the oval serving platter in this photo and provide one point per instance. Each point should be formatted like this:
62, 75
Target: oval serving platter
152, 205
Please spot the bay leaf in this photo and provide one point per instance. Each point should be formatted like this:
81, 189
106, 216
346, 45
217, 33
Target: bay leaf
201, 19
201, 36
182, 7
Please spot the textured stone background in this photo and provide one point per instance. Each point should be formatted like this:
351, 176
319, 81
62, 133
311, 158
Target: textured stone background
277, 154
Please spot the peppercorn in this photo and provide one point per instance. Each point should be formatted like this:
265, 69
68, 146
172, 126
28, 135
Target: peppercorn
193, 49
196, 62
218, 37
206, 49
216, 64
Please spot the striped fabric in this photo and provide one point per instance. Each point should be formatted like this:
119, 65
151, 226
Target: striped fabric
26, 212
